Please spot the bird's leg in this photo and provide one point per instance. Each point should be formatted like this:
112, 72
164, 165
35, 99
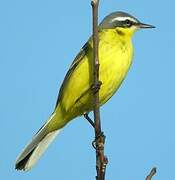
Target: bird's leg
98, 144
100, 136
86, 116
96, 87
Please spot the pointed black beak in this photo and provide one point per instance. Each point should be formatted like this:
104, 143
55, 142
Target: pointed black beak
142, 25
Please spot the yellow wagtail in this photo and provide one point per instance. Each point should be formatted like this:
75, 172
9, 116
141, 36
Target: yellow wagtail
75, 95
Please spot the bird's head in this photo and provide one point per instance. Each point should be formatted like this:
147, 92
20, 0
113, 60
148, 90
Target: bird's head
123, 22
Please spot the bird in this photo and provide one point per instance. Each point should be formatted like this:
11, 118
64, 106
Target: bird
75, 96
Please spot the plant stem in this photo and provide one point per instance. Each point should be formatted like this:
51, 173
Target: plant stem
101, 159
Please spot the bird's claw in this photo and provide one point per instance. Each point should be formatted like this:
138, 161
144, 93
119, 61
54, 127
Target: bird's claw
100, 137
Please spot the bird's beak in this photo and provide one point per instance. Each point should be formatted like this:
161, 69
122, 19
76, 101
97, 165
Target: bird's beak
142, 25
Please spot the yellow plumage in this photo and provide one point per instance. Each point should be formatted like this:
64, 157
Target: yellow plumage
115, 57
75, 96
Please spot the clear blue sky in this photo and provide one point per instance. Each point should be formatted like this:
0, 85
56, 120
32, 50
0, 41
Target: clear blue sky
38, 41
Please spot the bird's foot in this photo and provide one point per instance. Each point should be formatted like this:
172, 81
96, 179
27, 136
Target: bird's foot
98, 142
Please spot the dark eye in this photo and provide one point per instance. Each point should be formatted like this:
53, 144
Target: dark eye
128, 23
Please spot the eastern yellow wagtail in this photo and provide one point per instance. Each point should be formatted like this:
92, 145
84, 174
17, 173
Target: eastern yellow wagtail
75, 95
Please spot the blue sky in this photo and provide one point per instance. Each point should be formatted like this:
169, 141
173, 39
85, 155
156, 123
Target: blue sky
38, 41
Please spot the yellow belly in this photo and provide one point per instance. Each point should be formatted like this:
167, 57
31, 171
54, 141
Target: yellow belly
115, 56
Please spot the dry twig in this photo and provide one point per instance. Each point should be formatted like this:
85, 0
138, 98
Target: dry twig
151, 174
98, 143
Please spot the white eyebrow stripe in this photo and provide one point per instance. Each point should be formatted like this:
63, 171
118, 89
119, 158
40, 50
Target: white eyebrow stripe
123, 19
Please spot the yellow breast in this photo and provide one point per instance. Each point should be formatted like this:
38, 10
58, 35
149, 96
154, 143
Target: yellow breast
115, 56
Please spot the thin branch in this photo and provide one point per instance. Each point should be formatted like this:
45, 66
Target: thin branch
98, 143
151, 174
101, 159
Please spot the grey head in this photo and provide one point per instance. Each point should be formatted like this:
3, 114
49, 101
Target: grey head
123, 20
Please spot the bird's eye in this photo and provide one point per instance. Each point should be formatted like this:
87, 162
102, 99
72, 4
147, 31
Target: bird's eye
128, 23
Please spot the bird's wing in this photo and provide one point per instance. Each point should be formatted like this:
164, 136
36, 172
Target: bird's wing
74, 64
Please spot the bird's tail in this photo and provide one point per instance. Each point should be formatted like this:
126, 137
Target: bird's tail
33, 151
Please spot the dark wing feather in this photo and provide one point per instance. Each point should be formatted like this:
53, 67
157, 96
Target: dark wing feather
74, 64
